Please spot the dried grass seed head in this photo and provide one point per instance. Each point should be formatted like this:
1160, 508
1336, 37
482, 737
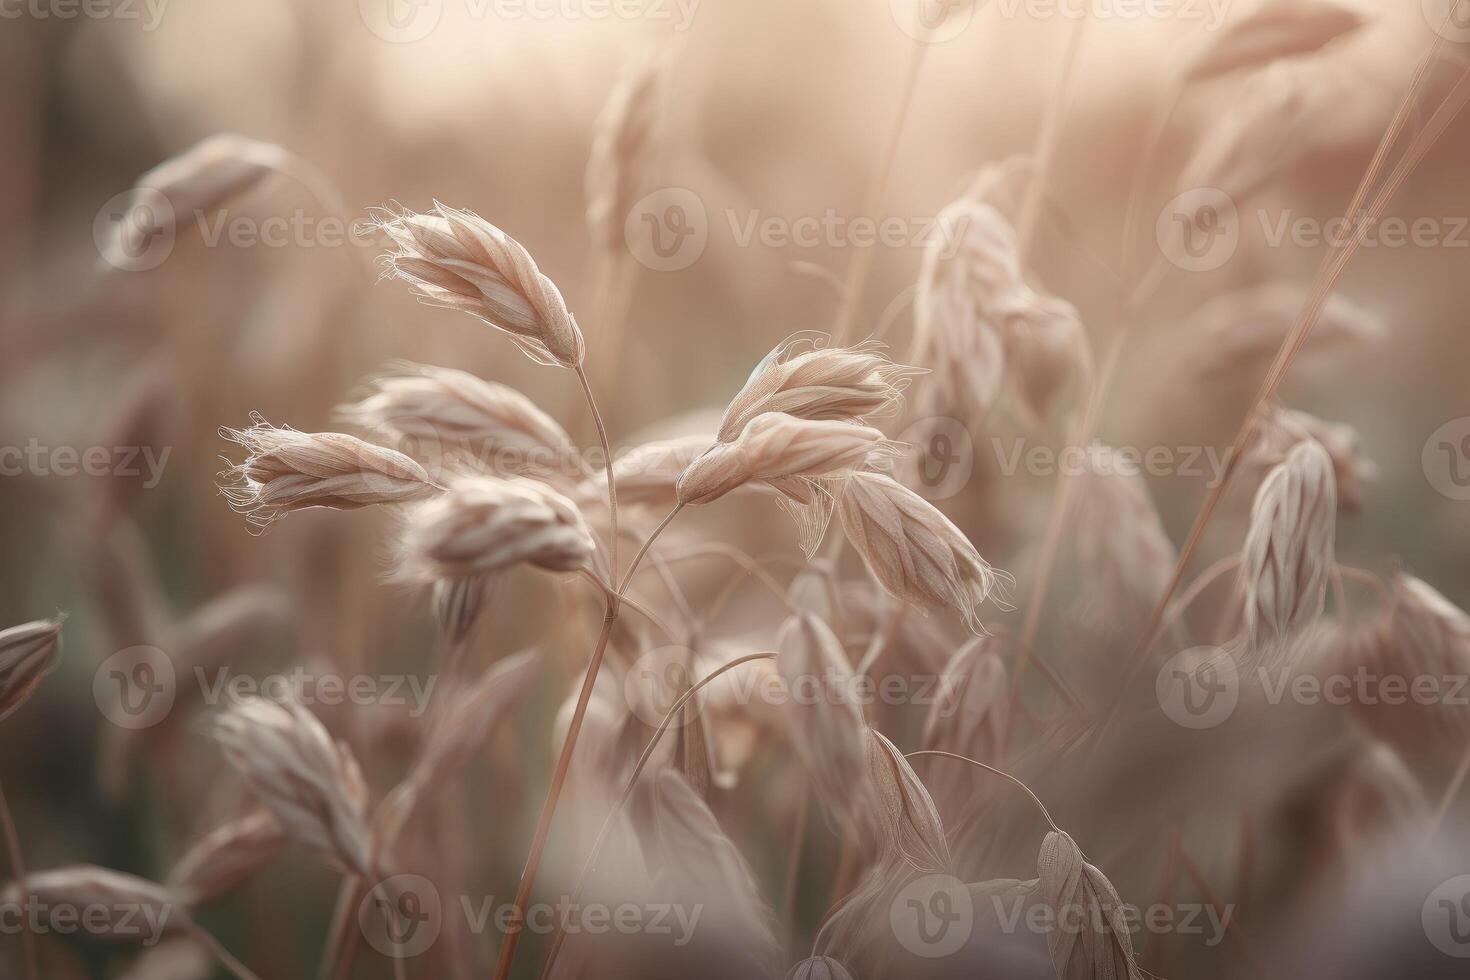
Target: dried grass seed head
311, 783
783, 451
648, 475
623, 142
1103, 948
285, 470
1273, 31
227, 856
126, 900
1283, 429
914, 551
1288, 553
803, 378
819, 968
457, 259
27, 653
485, 524
905, 818
1122, 547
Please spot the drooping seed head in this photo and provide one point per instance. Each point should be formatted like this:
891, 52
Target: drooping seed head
485, 524
808, 381
116, 904
444, 410
1046, 347
914, 551
819, 968
1068, 885
623, 140
1123, 550
1288, 551
311, 783
648, 475
1284, 429
781, 448
227, 856
1272, 32
458, 260
906, 819
27, 652
286, 470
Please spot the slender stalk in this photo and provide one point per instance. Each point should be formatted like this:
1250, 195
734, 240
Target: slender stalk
648, 543
18, 870
1047, 138
1451, 792
239, 970
994, 771
793, 857
862, 260
612, 487
600, 840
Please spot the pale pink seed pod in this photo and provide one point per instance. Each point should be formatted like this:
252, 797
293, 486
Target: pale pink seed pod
207, 176
286, 470
824, 720
1122, 548
485, 524
309, 782
131, 907
819, 968
1288, 553
1271, 32
779, 447
807, 380
905, 818
1046, 347
1283, 429
1068, 885
970, 716
914, 551
447, 411
27, 653
227, 857
623, 142
458, 260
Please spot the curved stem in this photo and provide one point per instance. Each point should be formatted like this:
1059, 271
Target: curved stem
648, 543
1047, 139
18, 870
994, 771
612, 484
218, 951
597, 844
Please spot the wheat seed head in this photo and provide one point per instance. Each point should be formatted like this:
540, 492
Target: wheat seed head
914, 551
27, 652
1066, 882
485, 524
784, 451
286, 470
311, 783
458, 260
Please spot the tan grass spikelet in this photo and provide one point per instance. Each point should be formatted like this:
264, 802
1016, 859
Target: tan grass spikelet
207, 176
27, 653
226, 857
906, 819
131, 905
804, 462
1283, 429
1274, 30
647, 475
914, 551
286, 470
447, 411
1124, 553
458, 260
456, 604
970, 716
826, 726
485, 524
701, 864
624, 139
803, 378
1288, 553
1103, 948
1046, 346
311, 783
